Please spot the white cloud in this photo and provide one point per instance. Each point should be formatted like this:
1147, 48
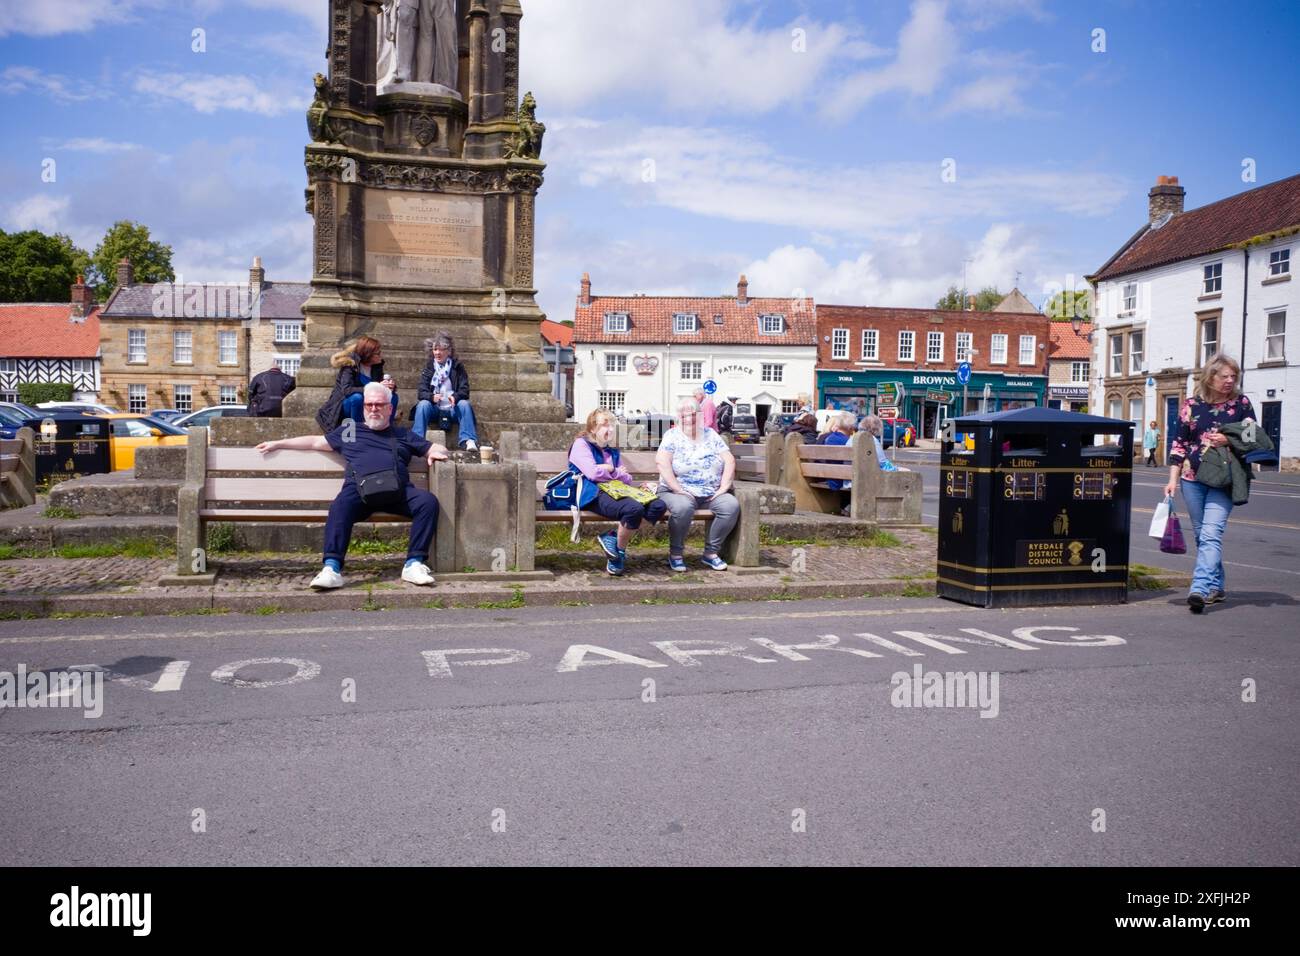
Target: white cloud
95, 145
44, 212
208, 93
732, 176
989, 94
28, 80
52, 17
927, 46
914, 271
701, 54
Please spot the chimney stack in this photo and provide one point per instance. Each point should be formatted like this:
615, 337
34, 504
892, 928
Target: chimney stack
742, 291
83, 298
584, 296
1165, 196
125, 273
256, 276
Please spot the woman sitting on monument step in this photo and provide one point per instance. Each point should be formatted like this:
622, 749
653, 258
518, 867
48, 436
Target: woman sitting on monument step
359, 363
444, 393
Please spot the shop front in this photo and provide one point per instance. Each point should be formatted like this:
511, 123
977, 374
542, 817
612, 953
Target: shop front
928, 398
1068, 398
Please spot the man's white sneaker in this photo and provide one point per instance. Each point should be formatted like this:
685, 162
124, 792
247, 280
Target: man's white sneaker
417, 574
328, 578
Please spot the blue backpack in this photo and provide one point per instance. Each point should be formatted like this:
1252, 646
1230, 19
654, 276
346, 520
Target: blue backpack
570, 490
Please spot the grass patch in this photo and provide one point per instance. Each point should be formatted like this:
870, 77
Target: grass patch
18, 616
131, 548
374, 546
435, 605
220, 537
917, 591
200, 611
930, 530
785, 596
59, 511
266, 610
767, 536
71, 615
108, 549
555, 537
145, 548
516, 600
877, 539
567, 562
10, 551
574, 604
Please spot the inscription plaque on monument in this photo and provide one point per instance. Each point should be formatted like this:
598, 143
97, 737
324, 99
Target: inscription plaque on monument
418, 239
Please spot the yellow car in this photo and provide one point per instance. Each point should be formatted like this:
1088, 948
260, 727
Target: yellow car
132, 431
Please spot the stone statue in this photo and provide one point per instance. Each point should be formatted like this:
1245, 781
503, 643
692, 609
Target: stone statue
318, 124
527, 143
417, 45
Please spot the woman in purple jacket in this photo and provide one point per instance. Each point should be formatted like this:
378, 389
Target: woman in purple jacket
597, 458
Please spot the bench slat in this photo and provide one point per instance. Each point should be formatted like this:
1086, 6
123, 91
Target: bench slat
11, 446
548, 515
256, 514
250, 459
9, 462
812, 469
829, 452
272, 489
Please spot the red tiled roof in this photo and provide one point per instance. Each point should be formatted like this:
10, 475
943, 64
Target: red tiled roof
1210, 228
1067, 345
557, 333
36, 330
650, 320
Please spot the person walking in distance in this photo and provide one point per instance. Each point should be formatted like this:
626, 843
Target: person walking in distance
1150, 441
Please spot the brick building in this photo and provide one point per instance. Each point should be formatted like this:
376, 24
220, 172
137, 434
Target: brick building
51, 342
1069, 365
859, 348
189, 345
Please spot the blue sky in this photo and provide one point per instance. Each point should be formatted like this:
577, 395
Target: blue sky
803, 143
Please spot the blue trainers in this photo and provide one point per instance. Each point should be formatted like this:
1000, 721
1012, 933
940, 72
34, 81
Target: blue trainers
675, 562
609, 543
714, 563
615, 566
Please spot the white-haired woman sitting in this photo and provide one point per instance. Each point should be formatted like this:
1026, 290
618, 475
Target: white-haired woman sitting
696, 469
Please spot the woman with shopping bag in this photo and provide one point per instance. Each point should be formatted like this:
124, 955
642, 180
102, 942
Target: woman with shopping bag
1217, 402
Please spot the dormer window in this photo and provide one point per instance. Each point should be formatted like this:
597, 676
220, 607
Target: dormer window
616, 321
685, 322
771, 324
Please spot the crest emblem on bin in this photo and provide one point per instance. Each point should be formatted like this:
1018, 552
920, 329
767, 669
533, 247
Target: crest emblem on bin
1076, 552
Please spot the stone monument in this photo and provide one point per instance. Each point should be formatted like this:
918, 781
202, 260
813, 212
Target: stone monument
422, 175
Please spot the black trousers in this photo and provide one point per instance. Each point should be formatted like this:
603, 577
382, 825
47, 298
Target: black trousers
627, 511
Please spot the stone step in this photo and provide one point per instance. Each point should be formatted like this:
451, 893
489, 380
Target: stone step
163, 461
116, 493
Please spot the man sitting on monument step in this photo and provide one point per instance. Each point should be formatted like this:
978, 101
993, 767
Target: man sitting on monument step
444, 393
376, 479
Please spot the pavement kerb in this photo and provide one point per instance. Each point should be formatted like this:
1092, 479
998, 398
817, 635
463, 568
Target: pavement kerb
493, 595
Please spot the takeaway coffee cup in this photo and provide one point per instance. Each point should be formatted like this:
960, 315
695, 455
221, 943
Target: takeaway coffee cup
486, 453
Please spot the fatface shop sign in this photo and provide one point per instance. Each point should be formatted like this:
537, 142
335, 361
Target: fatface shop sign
735, 370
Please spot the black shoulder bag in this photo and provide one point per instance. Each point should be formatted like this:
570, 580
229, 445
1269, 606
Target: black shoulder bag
380, 488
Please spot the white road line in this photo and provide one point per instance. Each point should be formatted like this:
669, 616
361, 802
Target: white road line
1230, 564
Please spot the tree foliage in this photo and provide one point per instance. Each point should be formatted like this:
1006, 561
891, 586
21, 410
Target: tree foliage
985, 299
1069, 303
35, 267
151, 260
33, 393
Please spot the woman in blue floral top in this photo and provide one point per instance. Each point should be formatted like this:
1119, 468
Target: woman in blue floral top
695, 471
1217, 402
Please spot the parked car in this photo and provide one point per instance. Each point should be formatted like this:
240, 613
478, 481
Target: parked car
10, 422
166, 414
744, 426
204, 416
903, 428
778, 423
95, 408
130, 432
20, 410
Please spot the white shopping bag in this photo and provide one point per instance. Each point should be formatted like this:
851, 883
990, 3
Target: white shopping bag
1160, 518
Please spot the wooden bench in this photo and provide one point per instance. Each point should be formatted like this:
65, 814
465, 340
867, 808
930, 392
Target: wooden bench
740, 548
241, 484
18, 469
884, 497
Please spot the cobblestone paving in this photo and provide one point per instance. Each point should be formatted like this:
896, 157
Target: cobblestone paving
249, 574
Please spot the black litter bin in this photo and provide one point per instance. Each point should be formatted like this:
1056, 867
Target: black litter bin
78, 446
1037, 513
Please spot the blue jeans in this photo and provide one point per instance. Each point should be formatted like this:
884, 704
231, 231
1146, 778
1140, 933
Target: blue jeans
429, 415
352, 408
1209, 509
348, 508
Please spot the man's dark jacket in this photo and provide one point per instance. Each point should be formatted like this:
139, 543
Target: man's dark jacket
348, 382
458, 379
266, 393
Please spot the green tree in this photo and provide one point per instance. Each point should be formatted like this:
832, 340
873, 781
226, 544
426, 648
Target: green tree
985, 299
151, 260
35, 267
1068, 303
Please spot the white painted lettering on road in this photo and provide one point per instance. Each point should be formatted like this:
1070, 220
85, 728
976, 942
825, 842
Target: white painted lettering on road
440, 666
888, 644
684, 652
980, 638
576, 656
173, 674
825, 642
1079, 640
302, 671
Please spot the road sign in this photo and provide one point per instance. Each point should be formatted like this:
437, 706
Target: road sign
889, 393
710, 387
565, 354
887, 411
963, 373
938, 395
